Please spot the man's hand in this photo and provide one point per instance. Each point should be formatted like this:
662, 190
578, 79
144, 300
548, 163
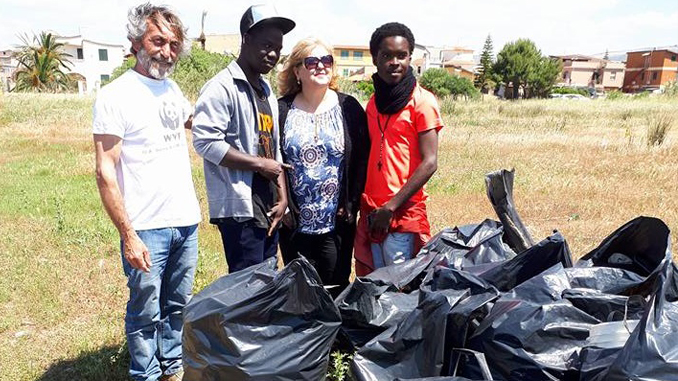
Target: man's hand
380, 221
271, 169
136, 253
276, 214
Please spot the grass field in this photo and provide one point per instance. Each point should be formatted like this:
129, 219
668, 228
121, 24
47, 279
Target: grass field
583, 168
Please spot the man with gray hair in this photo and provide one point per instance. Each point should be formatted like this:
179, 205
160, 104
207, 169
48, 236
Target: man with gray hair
144, 178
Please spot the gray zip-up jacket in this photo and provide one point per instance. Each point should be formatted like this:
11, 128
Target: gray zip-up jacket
225, 118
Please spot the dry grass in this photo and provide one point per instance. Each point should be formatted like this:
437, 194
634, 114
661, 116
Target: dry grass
582, 168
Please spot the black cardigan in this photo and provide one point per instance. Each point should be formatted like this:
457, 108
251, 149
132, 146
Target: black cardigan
356, 153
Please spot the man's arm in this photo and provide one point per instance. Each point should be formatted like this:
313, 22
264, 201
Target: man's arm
428, 148
107, 149
278, 210
268, 168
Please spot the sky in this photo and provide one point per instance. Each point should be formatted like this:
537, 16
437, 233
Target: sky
557, 28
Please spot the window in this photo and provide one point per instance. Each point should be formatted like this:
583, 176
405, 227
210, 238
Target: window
673, 58
613, 75
79, 54
654, 76
344, 54
345, 72
103, 55
105, 77
357, 56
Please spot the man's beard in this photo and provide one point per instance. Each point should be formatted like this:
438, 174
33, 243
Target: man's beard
156, 66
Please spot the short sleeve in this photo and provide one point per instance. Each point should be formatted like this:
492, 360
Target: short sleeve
107, 118
427, 112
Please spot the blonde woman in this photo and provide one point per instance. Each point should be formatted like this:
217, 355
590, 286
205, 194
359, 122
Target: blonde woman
324, 138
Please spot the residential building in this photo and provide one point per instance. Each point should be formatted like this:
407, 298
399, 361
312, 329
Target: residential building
650, 69
590, 72
456, 60
92, 62
420, 59
7, 67
459, 70
353, 62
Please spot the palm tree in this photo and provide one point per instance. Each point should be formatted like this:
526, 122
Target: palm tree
41, 64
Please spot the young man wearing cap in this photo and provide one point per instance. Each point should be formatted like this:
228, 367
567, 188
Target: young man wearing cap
403, 122
235, 130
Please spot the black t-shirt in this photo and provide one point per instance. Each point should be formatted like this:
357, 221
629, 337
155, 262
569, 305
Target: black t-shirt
264, 191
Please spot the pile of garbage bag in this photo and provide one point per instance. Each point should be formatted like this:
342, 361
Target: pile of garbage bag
468, 307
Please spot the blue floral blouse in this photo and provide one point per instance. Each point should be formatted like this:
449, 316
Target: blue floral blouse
314, 146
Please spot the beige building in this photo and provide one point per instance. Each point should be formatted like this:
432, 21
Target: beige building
353, 62
228, 44
7, 67
585, 71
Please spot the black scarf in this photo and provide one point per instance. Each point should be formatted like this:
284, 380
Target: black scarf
392, 98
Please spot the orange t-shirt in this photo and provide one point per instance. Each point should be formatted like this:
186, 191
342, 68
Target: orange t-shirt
400, 154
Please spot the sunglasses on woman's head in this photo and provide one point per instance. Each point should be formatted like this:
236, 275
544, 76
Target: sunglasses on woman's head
311, 63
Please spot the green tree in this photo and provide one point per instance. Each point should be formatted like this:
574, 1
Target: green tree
521, 64
544, 76
483, 79
515, 62
42, 62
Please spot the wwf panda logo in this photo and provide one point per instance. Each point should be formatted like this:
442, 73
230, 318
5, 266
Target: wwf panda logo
169, 115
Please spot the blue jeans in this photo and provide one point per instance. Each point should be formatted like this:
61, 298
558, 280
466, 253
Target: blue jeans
154, 319
396, 248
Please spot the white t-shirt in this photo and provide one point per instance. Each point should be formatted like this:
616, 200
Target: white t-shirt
154, 171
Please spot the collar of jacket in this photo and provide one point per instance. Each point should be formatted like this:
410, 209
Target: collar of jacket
238, 74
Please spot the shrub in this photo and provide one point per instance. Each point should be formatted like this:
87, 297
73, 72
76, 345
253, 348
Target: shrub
570, 90
366, 88
658, 126
671, 89
614, 95
441, 83
437, 81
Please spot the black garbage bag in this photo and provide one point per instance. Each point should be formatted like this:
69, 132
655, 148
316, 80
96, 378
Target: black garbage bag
638, 246
470, 245
371, 304
531, 333
412, 348
477, 356
651, 353
258, 325
607, 280
465, 316
633, 261
606, 307
529, 263
421, 344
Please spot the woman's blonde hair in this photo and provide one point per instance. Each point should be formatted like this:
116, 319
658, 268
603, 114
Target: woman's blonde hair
287, 80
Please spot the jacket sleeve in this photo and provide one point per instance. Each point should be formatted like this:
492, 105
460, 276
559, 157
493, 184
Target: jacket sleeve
211, 121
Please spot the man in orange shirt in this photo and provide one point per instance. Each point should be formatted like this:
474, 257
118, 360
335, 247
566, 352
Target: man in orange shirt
403, 122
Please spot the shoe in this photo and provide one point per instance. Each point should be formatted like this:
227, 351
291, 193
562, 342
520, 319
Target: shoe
178, 376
